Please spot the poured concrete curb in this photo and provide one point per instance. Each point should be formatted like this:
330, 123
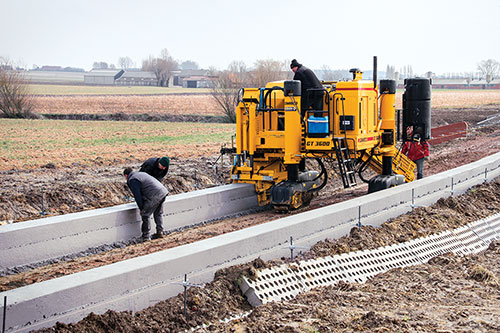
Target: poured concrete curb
38, 240
141, 282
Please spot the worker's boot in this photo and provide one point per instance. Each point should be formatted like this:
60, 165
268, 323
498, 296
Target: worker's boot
157, 235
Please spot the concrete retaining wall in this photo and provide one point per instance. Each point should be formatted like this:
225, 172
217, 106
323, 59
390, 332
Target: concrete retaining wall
140, 282
38, 240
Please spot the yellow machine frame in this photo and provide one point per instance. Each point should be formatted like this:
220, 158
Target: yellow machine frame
273, 133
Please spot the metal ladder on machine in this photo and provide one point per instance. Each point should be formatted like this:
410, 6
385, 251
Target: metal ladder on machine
346, 164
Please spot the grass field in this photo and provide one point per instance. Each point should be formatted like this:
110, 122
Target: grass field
64, 90
34, 143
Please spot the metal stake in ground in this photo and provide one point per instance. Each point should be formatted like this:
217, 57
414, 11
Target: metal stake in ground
185, 294
4, 313
359, 217
43, 203
412, 198
292, 247
186, 284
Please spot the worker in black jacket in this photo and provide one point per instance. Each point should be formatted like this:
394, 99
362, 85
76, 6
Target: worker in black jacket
308, 80
149, 194
156, 167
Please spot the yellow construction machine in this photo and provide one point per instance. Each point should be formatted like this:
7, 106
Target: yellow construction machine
352, 122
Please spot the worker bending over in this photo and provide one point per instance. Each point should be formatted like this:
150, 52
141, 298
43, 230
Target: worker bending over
149, 194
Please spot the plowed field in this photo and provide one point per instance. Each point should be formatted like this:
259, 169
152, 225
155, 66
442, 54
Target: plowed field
204, 104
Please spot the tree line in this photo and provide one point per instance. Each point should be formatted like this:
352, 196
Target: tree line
162, 66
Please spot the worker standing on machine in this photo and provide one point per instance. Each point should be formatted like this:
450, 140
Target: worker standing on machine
156, 167
308, 80
417, 150
149, 194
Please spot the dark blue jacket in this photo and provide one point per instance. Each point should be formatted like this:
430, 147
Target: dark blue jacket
151, 168
307, 79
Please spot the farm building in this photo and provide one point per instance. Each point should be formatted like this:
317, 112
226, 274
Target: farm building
197, 82
54, 77
193, 78
137, 78
463, 84
120, 77
102, 76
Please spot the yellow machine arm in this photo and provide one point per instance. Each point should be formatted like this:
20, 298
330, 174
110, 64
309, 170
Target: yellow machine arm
401, 164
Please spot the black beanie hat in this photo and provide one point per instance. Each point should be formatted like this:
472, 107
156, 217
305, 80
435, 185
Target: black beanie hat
295, 63
165, 161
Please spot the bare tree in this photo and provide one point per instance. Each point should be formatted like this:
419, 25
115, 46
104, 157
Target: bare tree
267, 70
15, 99
239, 73
189, 64
100, 65
469, 76
328, 74
125, 62
489, 69
389, 72
226, 86
162, 67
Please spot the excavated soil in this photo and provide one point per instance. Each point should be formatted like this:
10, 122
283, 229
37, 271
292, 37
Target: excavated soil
397, 302
448, 294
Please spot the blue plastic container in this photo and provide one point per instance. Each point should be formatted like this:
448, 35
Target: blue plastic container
317, 126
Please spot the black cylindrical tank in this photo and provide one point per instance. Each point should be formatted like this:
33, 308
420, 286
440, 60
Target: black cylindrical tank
292, 88
417, 107
387, 86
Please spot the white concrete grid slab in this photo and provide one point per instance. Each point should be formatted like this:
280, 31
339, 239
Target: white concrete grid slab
272, 284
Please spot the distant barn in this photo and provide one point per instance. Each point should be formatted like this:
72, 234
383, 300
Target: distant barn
193, 78
463, 84
102, 76
137, 78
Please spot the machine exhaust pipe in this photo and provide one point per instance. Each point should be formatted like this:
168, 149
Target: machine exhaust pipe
374, 72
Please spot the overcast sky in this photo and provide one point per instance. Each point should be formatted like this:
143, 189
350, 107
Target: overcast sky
430, 35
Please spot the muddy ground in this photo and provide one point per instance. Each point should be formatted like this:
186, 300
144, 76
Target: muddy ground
448, 294
79, 188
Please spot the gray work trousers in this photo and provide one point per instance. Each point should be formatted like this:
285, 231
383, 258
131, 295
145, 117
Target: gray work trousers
158, 217
420, 168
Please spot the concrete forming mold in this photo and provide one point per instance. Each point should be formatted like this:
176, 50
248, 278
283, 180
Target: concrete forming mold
141, 282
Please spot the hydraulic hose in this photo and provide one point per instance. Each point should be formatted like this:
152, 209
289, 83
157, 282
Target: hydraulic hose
323, 172
363, 166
